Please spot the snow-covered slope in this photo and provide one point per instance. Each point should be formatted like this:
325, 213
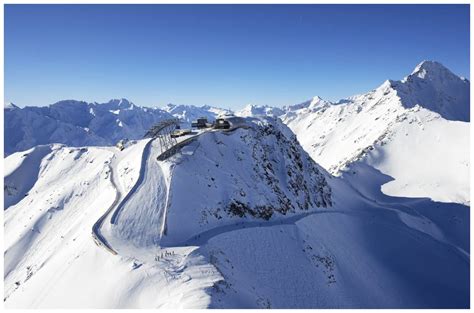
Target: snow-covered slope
434, 87
410, 128
189, 113
9, 106
235, 219
77, 123
50, 257
310, 105
275, 179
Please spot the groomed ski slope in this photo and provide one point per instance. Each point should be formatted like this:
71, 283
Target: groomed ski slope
140, 217
120, 199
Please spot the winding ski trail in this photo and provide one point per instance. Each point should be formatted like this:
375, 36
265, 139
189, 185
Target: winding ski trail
97, 235
148, 191
136, 218
99, 239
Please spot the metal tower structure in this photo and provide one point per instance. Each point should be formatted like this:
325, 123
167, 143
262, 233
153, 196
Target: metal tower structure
162, 131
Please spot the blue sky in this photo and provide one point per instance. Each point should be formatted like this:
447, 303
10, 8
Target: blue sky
222, 55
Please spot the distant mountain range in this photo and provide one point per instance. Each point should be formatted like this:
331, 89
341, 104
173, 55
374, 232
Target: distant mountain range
77, 123
363, 203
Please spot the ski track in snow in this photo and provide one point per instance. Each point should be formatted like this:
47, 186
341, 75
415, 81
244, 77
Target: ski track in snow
96, 234
150, 186
145, 155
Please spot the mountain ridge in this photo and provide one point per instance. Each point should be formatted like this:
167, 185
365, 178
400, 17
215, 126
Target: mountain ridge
377, 126
78, 123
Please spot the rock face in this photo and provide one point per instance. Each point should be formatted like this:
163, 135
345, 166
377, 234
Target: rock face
77, 123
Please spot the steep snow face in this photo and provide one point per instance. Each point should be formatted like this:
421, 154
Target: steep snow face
255, 173
252, 110
77, 123
400, 125
334, 134
189, 113
434, 87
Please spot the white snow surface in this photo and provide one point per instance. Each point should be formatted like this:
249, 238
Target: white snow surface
52, 261
77, 123
236, 219
246, 218
416, 131
252, 110
189, 113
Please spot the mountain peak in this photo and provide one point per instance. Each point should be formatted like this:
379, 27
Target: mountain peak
434, 71
257, 110
10, 105
121, 103
312, 103
252, 107
428, 65
316, 101
434, 87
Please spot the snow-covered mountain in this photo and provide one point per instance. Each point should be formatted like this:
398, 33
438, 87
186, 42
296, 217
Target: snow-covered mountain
235, 219
77, 123
435, 88
9, 106
189, 113
405, 129
312, 104
252, 110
